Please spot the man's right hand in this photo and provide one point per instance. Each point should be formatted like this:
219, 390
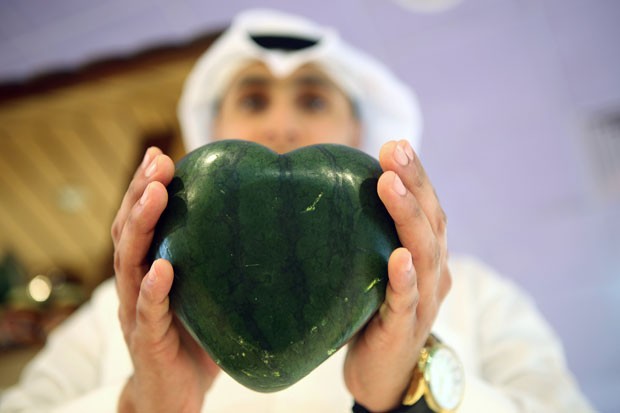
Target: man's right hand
172, 372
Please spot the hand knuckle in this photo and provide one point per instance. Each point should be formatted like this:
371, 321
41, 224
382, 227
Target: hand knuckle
117, 261
416, 211
125, 325
418, 180
415, 300
405, 305
143, 316
115, 231
419, 174
136, 187
441, 224
133, 222
446, 284
409, 306
434, 252
123, 318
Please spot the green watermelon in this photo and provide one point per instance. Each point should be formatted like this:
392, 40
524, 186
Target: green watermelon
279, 259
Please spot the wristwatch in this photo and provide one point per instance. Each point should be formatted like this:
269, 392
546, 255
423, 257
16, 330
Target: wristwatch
438, 379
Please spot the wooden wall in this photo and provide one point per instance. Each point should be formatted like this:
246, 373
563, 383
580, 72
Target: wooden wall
69, 143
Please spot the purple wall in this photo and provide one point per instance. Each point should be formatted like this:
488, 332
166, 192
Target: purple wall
509, 91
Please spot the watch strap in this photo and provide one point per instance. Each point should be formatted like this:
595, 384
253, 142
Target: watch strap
419, 407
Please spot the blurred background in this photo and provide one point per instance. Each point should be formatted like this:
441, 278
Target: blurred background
521, 102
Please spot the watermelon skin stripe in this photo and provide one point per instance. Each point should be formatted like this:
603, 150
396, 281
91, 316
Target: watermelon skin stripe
279, 260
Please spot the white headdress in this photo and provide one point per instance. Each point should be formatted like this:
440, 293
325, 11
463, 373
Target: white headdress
387, 107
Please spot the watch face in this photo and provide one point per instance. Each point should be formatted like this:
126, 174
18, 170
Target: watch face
445, 377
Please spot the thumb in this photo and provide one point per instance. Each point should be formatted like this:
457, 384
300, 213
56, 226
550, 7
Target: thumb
401, 297
153, 315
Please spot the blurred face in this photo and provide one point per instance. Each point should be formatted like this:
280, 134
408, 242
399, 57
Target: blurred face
283, 114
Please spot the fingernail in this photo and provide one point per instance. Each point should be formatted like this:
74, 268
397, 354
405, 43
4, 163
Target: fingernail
400, 156
151, 169
408, 150
146, 159
145, 195
399, 188
409, 264
151, 277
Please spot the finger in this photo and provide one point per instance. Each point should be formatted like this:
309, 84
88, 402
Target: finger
155, 167
445, 283
153, 314
401, 296
412, 225
401, 158
415, 234
134, 191
135, 240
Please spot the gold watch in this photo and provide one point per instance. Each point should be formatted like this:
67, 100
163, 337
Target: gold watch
438, 378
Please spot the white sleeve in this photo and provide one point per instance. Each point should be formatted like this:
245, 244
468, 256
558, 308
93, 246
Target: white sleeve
519, 362
66, 375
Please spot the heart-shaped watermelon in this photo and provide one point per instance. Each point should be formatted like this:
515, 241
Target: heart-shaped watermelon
279, 259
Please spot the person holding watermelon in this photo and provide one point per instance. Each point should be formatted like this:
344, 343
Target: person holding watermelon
285, 82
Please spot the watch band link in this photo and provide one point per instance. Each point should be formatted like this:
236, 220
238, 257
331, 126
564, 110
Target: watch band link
419, 407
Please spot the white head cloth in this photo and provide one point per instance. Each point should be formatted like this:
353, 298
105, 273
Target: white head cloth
387, 107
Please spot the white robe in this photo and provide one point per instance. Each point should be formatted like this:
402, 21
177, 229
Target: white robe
513, 361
